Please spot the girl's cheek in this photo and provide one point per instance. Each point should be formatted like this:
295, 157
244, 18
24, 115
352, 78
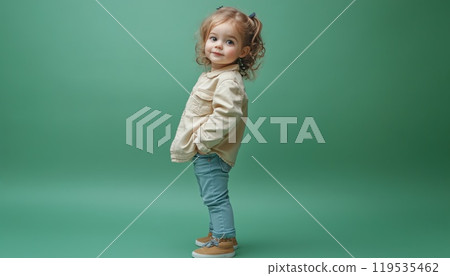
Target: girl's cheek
231, 51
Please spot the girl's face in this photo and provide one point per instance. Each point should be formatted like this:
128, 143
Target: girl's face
224, 45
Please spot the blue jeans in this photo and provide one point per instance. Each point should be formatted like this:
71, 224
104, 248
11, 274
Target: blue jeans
212, 176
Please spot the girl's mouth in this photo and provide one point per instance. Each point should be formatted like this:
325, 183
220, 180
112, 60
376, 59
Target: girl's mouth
217, 54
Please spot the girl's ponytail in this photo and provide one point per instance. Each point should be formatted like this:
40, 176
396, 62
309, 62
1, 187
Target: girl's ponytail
257, 49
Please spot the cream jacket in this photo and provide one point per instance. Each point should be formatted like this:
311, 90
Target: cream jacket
214, 117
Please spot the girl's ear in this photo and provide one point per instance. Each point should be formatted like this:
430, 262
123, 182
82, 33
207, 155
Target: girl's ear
244, 51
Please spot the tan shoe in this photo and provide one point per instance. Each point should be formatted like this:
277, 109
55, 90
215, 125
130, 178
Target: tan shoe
202, 241
215, 248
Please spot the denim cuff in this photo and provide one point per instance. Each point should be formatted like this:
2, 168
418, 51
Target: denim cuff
224, 236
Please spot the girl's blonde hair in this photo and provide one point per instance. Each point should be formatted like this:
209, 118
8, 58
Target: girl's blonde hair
249, 30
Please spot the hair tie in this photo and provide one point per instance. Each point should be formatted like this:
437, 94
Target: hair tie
219, 7
252, 15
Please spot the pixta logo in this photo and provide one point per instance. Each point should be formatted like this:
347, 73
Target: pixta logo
139, 137
219, 125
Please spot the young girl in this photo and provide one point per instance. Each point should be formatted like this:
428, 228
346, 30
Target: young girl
213, 122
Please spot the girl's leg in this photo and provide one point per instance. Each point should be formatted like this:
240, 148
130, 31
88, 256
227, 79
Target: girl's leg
212, 174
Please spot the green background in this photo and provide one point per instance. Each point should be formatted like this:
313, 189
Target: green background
376, 83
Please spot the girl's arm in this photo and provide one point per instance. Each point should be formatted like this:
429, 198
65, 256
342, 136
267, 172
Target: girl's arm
227, 104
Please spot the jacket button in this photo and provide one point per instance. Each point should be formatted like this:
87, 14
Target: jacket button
209, 159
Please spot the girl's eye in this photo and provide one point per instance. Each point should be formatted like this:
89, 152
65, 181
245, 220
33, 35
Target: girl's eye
230, 42
213, 38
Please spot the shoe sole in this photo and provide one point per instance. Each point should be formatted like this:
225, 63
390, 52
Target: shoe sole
200, 244
227, 255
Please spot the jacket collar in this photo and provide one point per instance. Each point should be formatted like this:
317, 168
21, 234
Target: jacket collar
215, 73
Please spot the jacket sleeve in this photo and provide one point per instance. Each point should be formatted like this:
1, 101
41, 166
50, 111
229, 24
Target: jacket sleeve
227, 110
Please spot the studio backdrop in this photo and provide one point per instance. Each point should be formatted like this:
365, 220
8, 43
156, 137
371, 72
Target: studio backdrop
347, 154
